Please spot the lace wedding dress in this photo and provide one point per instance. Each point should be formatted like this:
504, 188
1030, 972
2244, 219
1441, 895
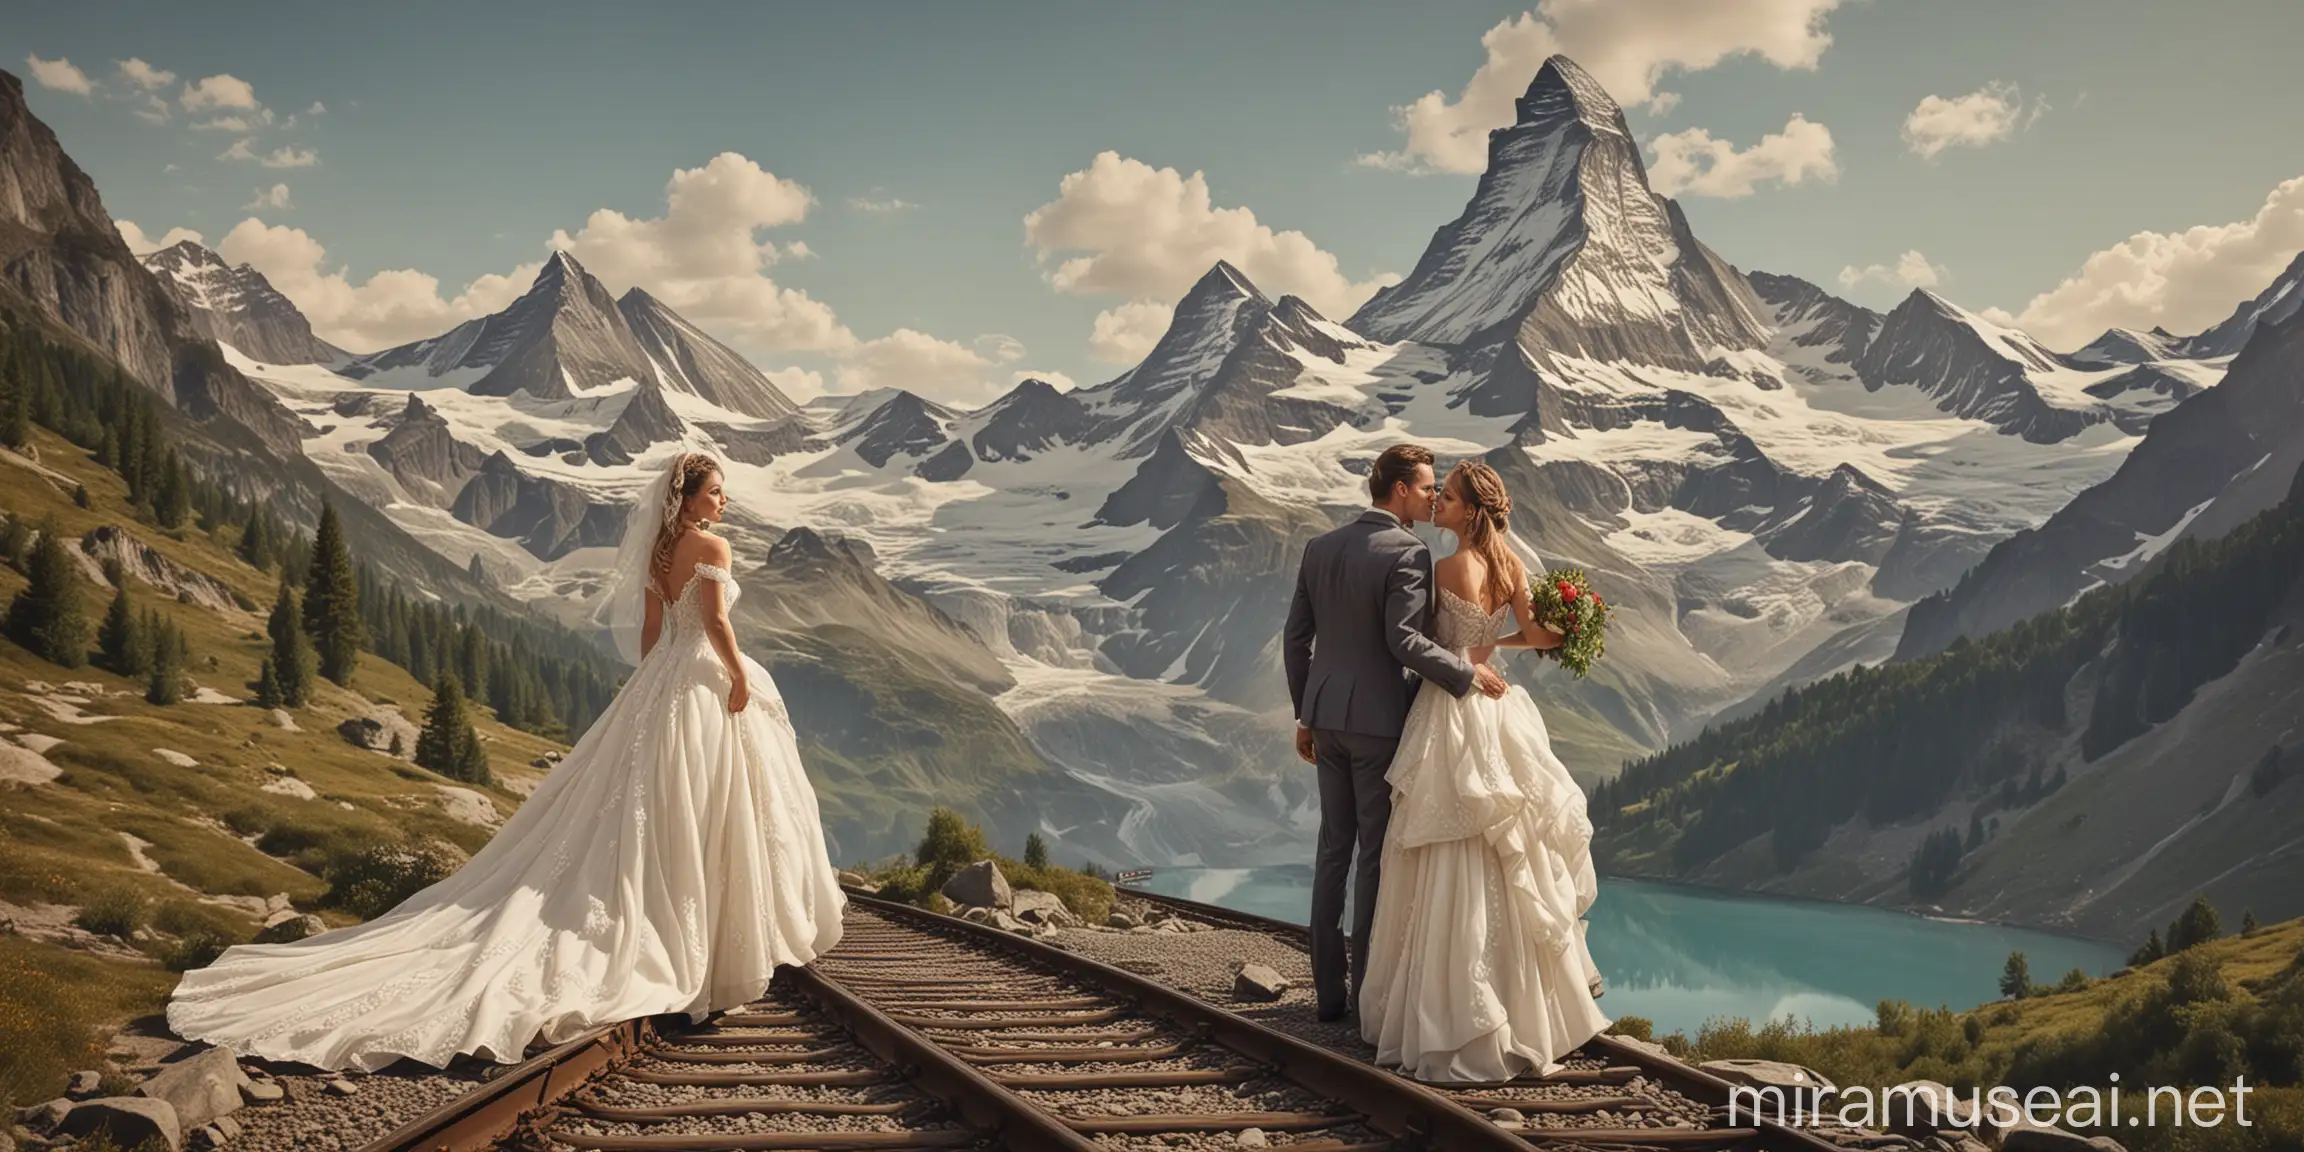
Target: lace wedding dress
669, 863
1477, 970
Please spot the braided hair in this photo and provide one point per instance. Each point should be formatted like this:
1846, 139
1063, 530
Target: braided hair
689, 473
1487, 522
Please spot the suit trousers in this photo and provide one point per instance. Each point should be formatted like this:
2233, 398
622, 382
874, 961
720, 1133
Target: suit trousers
1355, 808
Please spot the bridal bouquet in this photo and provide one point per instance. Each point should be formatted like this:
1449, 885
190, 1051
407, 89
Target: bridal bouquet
1566, 604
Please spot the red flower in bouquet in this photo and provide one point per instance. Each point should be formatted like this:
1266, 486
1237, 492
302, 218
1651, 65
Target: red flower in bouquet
1565, 603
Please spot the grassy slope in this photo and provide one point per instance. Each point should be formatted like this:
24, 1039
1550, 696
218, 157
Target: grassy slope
1937, 1049
63, 842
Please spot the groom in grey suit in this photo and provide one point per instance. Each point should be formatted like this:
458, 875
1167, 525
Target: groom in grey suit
1358, 642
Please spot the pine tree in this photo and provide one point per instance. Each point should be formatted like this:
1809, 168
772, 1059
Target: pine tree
478, 573
293, 661
15, 543
2197, 924
2016, 977
2149, 951
80, 495
448, 745
472, 760
2248, 923
16, 415
45, 617
167, 683
268, 686
119, 638
256, 539
332, 600
173, 502
1035, 851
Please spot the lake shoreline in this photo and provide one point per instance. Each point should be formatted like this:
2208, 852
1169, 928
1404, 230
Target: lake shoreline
1796, 898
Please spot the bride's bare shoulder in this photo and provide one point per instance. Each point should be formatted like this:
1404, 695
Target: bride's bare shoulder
1460, 572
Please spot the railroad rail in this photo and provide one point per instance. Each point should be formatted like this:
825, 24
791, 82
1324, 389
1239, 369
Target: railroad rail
926, 1031
1600, 1077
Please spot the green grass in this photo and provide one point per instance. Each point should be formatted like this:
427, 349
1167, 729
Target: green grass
2079, 1036
52, 1002
62, 842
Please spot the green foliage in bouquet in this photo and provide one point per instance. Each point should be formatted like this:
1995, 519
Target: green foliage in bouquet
1565, 603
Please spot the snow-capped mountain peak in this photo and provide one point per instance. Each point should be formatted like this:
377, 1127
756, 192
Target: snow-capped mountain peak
1566, 249
564, 337
2278, 301
685, 359
238, 306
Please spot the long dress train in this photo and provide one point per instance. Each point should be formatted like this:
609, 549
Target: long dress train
669, 863
1477, 969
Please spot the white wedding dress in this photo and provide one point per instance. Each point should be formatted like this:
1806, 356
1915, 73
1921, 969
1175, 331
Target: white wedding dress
1477, 969
669, 863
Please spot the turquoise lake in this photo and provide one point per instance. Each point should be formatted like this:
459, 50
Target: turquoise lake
1680, 956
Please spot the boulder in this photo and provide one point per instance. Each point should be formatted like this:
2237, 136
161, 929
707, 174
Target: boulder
1922, 1108
1119, 920
264, 1092
291, 928
199, 1088
85, 1084
127, 1121
1251, 1138
1035, 907
283, 720
1258, 982
376, 730
850, 879
979, 885
2030, 1137
1800, 1085
44, 1117
341, 1087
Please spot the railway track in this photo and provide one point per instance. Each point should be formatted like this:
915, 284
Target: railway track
1585, 1105
924, 1031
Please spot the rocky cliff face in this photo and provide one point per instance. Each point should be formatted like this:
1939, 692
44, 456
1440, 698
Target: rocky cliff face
564, 337
1564, 248
686, 359
62, 260
549, 518
239, 307
2205, 466
423, 454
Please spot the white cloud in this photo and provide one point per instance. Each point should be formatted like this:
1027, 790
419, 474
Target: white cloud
143, 245
285, 156
1126, 334
1629, 46
796, 250
880, 205
225, 124
317, 109
275, 197
60, 75
1912, 270
801, 384
2183, 281
937, 369
703, 259
219, 91
135, 71
154, 110
1151, 232
388, 308
1991, 113
999, 347
1694, 163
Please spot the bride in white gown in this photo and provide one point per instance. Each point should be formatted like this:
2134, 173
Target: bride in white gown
1477, 970
669, 863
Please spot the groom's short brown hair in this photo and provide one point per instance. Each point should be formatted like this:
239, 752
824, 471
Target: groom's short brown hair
1396, 465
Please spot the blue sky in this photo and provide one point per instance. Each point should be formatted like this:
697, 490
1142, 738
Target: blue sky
2085, 162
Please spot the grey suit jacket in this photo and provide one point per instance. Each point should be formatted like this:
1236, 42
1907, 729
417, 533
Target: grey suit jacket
1360, 629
